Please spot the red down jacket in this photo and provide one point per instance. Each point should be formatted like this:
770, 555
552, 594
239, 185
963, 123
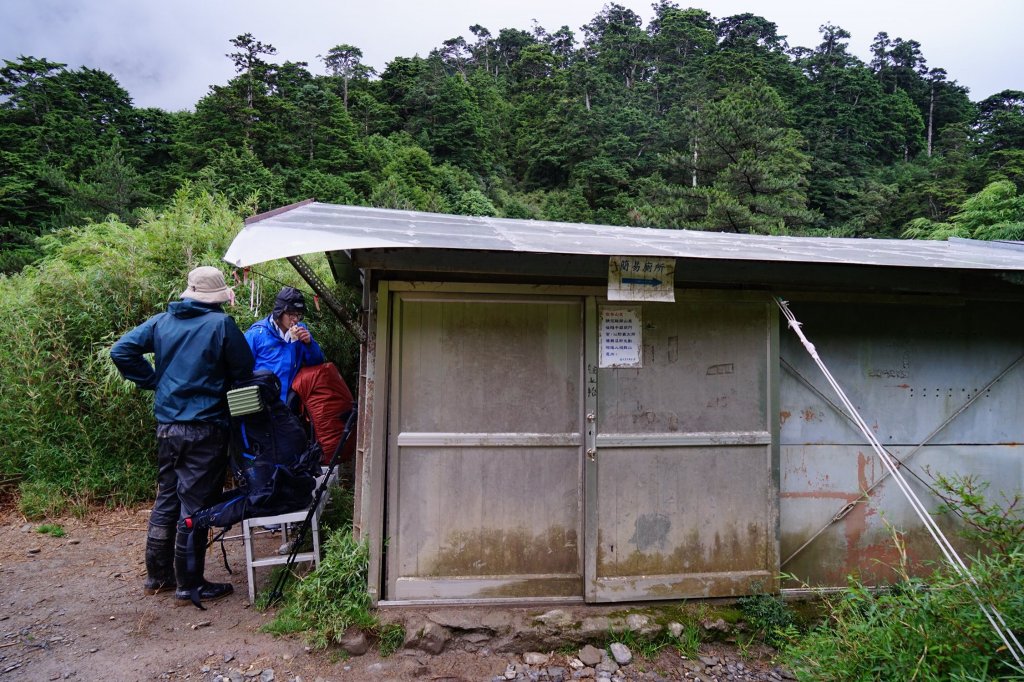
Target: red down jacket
325, 401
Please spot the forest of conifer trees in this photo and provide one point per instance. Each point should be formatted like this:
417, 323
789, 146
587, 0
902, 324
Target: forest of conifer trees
683, 121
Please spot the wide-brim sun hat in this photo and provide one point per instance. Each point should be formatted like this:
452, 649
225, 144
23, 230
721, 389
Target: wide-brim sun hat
206, 284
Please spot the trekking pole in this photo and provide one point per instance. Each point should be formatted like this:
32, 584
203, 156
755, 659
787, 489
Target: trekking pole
307, 523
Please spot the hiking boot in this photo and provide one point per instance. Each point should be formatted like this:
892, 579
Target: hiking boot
155, 586
207, 592
159, 560
189, 562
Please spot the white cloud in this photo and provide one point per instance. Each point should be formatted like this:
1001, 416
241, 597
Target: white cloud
168, 54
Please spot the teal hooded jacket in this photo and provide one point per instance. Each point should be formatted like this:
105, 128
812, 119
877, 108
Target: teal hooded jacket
198, 351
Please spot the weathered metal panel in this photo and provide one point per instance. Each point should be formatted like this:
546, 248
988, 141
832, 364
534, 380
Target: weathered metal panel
940, 385
474, 512
907, 368
705, 370
488, 440
486, 447
611, 440
693, 420
657, 517
679, 447
692, 585
460, 355
510, 589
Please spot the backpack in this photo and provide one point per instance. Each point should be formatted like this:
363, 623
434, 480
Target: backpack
326, 401
272, 460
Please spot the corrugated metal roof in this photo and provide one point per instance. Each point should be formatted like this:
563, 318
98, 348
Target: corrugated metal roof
312, 227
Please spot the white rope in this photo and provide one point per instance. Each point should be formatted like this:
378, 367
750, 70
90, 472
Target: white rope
995, 618
255, 295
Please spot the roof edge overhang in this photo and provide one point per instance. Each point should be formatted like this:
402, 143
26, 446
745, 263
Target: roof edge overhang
277, 211
311, 227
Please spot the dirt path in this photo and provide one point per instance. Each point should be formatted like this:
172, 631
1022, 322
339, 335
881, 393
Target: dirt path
72, 608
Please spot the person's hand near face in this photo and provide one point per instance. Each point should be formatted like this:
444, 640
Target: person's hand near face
290, 321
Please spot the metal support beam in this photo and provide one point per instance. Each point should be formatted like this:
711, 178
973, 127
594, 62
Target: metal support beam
321, 290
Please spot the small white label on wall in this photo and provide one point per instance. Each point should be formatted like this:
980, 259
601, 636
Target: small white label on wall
621, 343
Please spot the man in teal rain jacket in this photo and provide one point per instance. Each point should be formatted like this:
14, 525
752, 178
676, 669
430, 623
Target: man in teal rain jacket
199, 352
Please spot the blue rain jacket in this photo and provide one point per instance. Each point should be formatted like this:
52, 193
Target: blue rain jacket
279, 356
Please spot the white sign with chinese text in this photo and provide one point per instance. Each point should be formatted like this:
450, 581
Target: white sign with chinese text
621, 342
639, 278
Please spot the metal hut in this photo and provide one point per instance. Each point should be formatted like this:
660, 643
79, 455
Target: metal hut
566, 412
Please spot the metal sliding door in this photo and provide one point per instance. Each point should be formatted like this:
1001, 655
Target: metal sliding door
681, 473
485, 442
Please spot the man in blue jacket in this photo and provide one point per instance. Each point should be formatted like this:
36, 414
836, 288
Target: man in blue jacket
281, 342
199, 352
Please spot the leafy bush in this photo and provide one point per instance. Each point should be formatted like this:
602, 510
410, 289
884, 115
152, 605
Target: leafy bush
918, 630
76, 434
769, 616
73, 427
924, 629
997, 525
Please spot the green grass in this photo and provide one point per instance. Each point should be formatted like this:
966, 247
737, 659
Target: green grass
324, 604
52, 529
690, 615
643, 646
689, 640
391, 636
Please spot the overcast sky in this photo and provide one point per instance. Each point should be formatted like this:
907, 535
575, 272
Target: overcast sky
167, 54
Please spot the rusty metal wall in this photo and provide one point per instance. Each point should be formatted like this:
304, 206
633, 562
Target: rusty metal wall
909, 367
484, 477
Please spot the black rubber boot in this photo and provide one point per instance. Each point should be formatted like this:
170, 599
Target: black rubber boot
189, 564
206, 592
159, 560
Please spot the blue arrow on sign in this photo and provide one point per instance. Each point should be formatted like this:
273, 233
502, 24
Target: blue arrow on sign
637, 280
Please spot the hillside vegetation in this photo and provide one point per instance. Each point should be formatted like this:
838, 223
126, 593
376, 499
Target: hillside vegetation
687, 120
